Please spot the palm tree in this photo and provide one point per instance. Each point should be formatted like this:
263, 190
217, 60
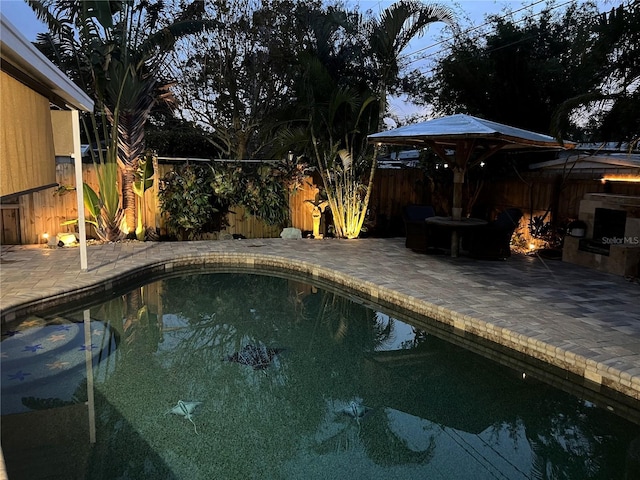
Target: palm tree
337, 109
120, 49
391, 33
341, 157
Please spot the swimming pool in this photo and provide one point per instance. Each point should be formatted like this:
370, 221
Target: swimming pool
235, 375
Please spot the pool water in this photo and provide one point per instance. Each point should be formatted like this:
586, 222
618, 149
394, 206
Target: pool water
243, 376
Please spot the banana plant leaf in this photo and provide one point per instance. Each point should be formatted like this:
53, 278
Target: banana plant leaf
144, 177
91, 200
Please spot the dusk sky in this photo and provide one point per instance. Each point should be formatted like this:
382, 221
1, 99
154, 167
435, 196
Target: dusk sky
470, 13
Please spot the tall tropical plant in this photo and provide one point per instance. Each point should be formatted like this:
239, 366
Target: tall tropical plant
119, 51
143, 182
340, 114
342, 162
390, 34
334, 111
103, 206
348, 62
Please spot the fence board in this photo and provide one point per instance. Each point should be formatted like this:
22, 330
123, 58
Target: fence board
299, 209
393, 189
540, 196
9, 224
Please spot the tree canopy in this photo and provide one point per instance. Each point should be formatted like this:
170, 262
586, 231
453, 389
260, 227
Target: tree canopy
234, 79
573, 72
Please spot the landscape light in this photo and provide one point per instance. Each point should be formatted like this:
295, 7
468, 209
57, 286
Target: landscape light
620, 177
66, 239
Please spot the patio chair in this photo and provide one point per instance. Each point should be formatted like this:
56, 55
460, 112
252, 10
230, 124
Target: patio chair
416, 229
492, 241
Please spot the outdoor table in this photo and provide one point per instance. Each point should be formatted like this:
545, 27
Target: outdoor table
455, 226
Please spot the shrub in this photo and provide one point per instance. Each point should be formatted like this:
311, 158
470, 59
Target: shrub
262, 189
186, 201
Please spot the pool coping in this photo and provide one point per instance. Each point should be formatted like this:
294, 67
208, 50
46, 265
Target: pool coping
593, 372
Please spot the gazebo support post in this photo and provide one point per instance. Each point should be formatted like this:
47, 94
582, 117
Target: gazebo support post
77, 162
456, 209
458, 180
463, 151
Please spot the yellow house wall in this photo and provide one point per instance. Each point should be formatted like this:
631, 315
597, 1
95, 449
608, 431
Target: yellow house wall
27, 158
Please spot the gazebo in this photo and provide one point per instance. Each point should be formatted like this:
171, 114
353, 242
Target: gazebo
463, 140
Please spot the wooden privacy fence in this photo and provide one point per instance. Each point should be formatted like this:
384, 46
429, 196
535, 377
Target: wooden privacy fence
37, 213
542, 193
43, 212
538, 192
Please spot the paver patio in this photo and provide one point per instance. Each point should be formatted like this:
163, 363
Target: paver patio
578, 319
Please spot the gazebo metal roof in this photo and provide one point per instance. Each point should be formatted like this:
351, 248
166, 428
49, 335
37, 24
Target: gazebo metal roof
449, 131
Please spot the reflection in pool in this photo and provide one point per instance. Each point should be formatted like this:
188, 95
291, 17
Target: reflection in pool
237, 376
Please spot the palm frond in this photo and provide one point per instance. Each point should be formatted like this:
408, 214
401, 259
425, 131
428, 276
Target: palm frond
42, 11
405, 20
560, 119
345, 158
343, 97
101, 10
164, 39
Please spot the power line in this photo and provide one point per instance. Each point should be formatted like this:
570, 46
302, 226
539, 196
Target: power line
480, 26
485, 24
468, 30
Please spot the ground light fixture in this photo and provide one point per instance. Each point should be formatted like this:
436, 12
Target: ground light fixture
620, 178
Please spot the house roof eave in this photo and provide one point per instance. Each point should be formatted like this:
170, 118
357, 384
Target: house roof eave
21, 59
